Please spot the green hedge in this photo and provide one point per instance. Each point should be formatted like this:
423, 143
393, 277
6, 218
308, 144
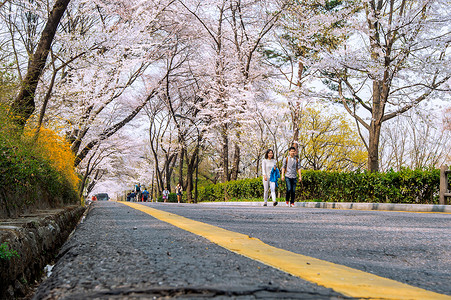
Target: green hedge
406, 186
172, 197
239, 189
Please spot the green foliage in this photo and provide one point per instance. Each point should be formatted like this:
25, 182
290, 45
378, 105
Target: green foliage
172, 197
240, 189
28, 179
329, 141
406, 186
6, 253
8, 83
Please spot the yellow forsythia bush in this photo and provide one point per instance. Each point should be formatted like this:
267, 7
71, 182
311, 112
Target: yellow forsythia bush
57, 151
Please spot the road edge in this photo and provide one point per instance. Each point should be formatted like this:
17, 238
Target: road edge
429, 208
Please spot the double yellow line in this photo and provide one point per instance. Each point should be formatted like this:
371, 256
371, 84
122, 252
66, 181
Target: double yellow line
342, 279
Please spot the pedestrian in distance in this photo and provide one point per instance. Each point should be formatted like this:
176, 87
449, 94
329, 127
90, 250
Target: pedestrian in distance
132, 196
165, 194
274, 183
179, 191
145, 195
268, 164
138, 192
291, 166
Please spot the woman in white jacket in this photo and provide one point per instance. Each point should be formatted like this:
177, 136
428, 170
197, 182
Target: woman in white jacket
267, 165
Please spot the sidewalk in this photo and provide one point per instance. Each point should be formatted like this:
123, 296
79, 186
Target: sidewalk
357, 206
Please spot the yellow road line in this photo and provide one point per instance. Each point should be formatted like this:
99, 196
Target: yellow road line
342, 279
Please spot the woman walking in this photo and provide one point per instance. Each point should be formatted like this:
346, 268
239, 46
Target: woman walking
178, 191
268, 165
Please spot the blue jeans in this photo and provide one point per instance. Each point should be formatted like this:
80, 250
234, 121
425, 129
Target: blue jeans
291, 189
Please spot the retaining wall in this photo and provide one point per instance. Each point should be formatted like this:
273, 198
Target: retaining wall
37, 238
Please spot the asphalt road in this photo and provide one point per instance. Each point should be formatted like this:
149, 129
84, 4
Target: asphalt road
119, 252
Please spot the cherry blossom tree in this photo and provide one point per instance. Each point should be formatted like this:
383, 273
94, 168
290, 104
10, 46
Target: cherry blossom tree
162, 143
233, 31
3, 2
115, 161
447, 119
417, 139
208, 76
304, 27
266, 129
23, 105
396, 56
20, 27
108, 86
92, 170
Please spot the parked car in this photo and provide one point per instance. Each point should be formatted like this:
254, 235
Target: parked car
102, 197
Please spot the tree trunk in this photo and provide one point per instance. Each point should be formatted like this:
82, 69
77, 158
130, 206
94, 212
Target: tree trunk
296, 109
82, 184
236, 162
189, 185
182, 156
23, 106
373, 147
159, 179
375, 127
295, 139
295, 117
44, 104
170, 163
85, 177
225, 161
191, 165
257, 166
225, 156
157, 173
159, 188
152, 186
92, 184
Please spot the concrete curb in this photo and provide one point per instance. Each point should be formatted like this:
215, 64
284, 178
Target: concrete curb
37, 238
349, 205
